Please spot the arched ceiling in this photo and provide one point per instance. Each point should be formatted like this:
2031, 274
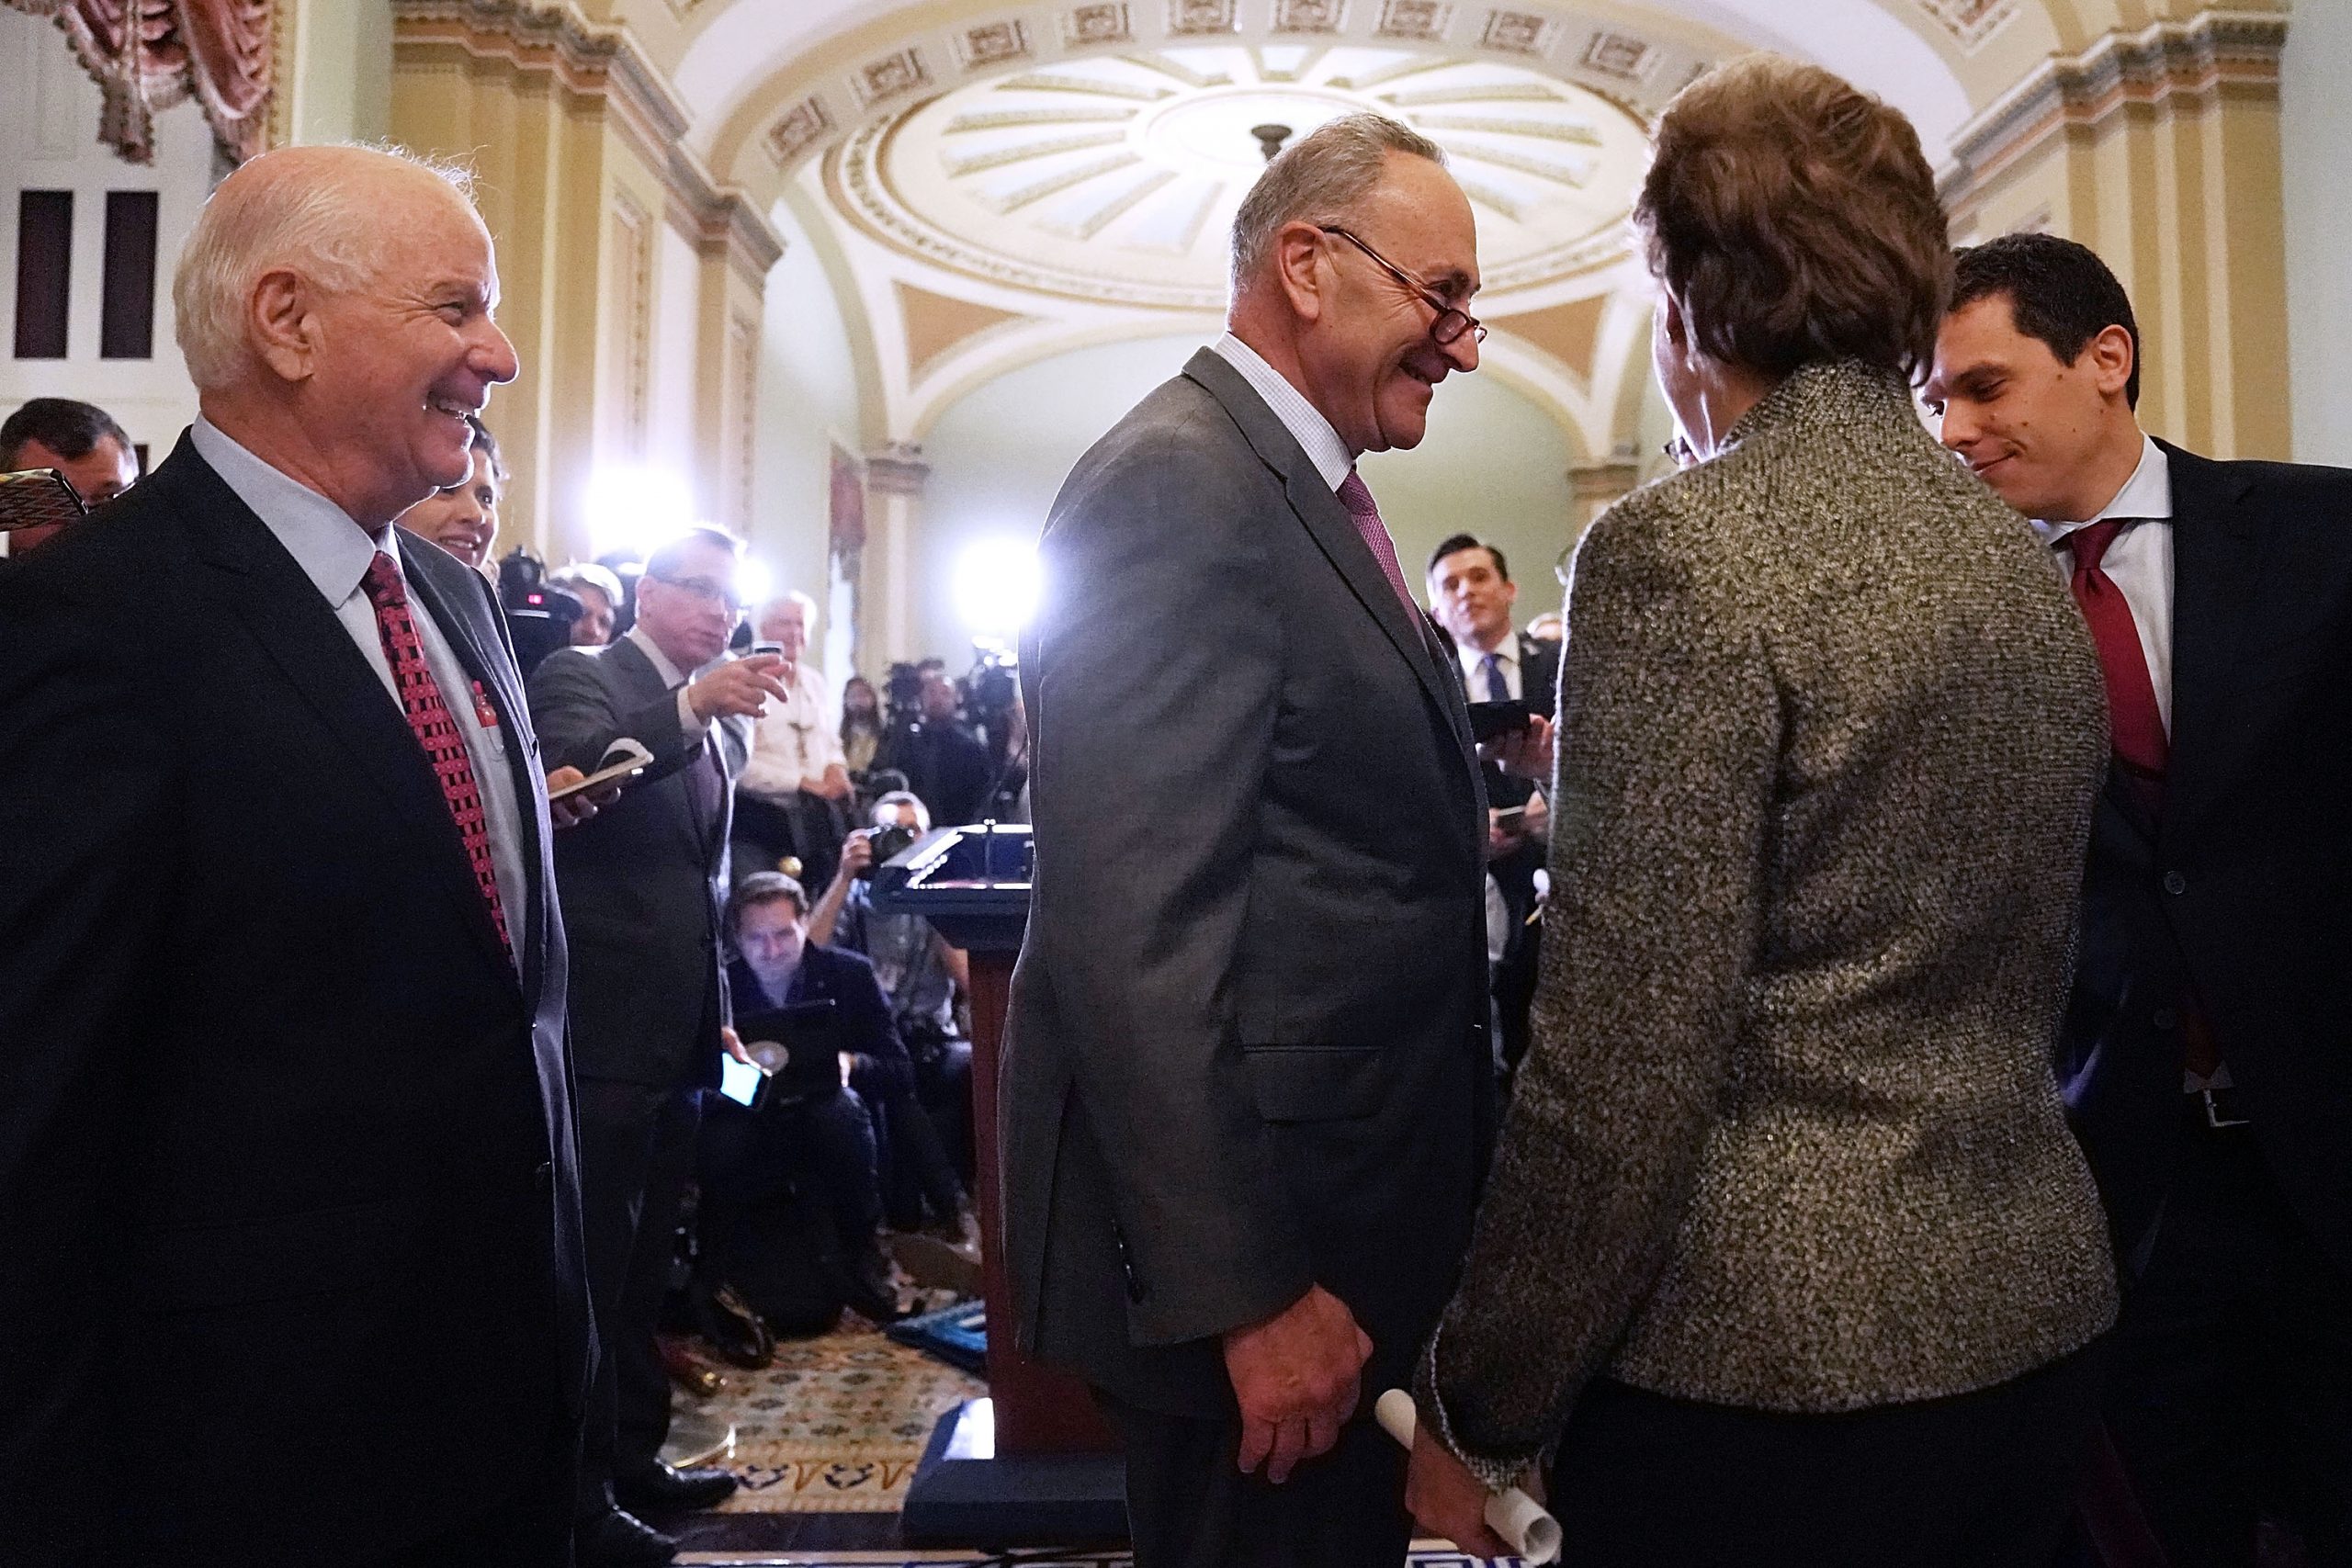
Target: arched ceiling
1116, 177
991, 182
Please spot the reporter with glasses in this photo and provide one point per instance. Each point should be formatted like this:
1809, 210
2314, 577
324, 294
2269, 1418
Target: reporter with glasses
643, 889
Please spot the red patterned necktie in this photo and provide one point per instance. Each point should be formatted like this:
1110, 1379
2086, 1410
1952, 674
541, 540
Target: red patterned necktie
1356, 496
429, 720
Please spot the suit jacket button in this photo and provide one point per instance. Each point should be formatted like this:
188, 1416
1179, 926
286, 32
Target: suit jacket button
2176, 884
544, 1178
2164, 1018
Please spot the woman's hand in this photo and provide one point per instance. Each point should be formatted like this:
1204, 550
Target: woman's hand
1446, 1500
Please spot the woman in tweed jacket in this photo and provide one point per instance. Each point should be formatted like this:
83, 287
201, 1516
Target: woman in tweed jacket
1787, 1254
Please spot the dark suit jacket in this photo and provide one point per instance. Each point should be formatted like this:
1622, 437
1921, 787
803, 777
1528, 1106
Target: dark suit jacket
643, 884
1248, 1043
846, 980
1538, 685
2245, 891
286, 1161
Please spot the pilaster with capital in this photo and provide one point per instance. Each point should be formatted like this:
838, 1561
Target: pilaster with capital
895, 478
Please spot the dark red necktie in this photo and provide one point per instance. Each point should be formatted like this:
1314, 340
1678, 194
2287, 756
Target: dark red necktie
429, 720
2143, 749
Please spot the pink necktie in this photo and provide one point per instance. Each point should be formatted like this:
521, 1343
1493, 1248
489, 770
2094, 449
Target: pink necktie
1357, 497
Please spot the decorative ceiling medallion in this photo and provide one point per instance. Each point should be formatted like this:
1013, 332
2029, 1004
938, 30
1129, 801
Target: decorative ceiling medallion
1309, 16
887, 77
1970, 21
1614, 54
1097, 24
993, 44
797, 130
1115, 177
1191, 18
1516, 31
1423, 20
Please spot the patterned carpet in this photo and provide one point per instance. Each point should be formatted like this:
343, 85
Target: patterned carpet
1424, 1558
827, 1438
836, 1425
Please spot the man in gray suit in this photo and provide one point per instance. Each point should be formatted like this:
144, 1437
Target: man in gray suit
642, 888
1247, 1095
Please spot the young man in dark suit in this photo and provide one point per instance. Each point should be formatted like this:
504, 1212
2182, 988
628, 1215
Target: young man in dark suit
2204, 1051
643, 887
1472, 596
290, 1261
1247, 1092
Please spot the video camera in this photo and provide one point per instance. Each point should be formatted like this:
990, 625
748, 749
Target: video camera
540, 615
889, 843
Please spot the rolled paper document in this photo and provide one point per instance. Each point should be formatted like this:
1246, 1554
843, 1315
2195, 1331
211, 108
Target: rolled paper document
1512, 1515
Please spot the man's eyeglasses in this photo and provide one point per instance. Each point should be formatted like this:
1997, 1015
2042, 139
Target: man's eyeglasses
1449, 323
705, 589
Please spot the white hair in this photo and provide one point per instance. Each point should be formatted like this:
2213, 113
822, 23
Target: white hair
588, 574
1320, 179
326, 226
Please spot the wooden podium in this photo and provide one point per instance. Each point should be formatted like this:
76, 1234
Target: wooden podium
1033, 1463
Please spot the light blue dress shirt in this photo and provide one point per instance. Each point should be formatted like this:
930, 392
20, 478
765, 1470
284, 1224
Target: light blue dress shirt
335, 553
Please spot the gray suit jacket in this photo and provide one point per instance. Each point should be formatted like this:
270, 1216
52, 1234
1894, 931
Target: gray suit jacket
1788, 1136
643, 885
1247, 1050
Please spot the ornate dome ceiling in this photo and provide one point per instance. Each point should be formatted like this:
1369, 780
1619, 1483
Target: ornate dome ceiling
1116, 178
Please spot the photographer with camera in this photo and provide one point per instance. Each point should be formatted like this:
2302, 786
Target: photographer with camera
791, 1191
930, 1156
599, 594
946, 765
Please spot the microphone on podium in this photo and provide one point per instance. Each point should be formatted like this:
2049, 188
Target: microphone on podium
1512, 1515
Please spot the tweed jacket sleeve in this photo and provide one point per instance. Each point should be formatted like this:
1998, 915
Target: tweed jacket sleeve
1669, 730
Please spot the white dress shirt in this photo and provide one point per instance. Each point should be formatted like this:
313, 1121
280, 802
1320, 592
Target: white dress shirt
335, 553
797, 739
2140, 562
1473, 668
1302, 419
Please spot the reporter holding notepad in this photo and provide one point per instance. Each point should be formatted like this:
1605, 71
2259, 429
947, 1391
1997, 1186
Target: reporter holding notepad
643, 887
1786, 1243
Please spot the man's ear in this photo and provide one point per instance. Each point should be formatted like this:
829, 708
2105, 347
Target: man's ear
282, 315
2111, 360
1299, 251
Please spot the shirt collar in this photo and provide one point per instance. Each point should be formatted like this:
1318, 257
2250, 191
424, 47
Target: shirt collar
1305, 422
1473, 656
670, 673
332, 551
2147, 495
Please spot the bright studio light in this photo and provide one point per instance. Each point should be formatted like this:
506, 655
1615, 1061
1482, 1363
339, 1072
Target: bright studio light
995, 586
753, 581
636, 510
